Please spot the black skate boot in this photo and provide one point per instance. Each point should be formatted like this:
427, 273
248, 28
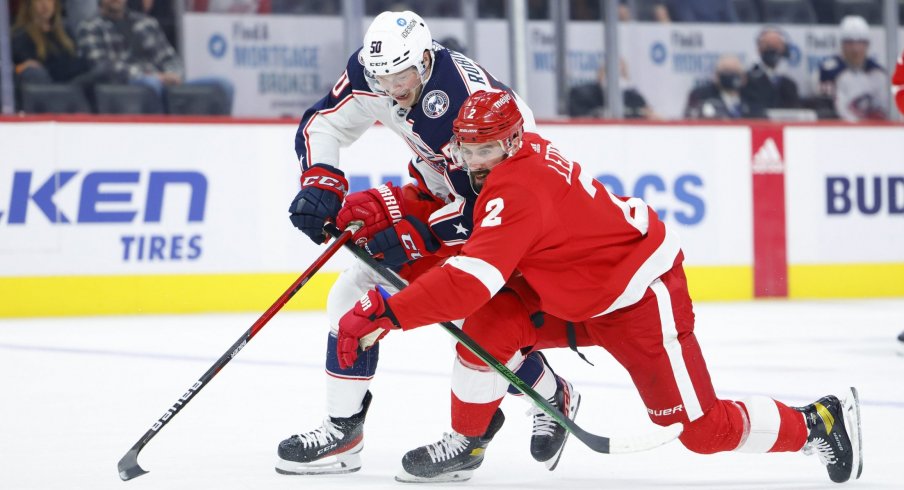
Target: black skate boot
453, 459
549, 437
332, 448
835, 435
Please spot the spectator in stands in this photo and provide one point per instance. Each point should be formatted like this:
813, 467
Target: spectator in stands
78, 11
589, 99
723, 96
855, 81
162, 10
766, 88
42, 50
132, 48
695, 11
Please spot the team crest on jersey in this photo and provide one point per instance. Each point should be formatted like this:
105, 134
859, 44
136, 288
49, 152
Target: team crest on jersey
436, 103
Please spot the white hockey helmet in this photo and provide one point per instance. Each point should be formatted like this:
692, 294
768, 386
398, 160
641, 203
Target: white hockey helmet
395, 41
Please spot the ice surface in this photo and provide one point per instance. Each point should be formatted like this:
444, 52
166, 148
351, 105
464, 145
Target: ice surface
77, 393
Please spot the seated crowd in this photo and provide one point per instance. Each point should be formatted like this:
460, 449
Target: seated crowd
118, 60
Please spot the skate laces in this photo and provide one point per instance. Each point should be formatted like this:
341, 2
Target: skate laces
823, 449
321, 436
544, 425
447, 447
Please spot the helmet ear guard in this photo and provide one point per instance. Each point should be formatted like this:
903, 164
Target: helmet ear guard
394, 42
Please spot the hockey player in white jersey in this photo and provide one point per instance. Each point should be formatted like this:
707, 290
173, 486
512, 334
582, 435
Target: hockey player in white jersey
415, 87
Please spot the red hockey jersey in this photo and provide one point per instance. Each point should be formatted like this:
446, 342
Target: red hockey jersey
897, 81
584, 251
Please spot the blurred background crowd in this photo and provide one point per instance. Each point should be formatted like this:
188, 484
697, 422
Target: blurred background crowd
129, 56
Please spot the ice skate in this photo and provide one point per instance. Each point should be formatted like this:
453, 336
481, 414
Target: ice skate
332, 448
835, 435
453, 459
549, 436
901, 344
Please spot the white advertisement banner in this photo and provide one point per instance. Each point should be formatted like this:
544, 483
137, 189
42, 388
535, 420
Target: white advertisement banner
101, 199
280, 65
845, 188
97, 199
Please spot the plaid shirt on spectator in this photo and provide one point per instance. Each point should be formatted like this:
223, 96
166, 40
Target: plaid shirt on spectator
146, 53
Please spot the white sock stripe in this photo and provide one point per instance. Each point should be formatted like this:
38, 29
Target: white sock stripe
764, 424
473, 386
673, 349
483, 271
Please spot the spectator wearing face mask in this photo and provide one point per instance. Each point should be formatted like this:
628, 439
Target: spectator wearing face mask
722, 97
766, 87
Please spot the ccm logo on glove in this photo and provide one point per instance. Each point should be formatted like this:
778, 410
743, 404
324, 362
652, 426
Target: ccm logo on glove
324, 182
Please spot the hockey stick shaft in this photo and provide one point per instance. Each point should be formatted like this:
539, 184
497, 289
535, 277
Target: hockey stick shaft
128, 466
600, 444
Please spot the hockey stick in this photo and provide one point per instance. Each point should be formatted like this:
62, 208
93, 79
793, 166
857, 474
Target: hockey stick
128, 466
600, 444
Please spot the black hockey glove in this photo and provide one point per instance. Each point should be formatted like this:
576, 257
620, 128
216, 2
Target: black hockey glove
410, 239
322, 189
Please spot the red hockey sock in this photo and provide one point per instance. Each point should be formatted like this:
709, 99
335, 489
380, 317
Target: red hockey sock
772, 426
472, 419
792, 433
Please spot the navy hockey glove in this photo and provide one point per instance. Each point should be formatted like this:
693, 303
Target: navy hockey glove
364, 325
410, 239
322, 189
377, 209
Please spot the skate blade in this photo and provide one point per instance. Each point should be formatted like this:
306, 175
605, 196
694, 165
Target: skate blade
451, 477
852, 417
338, 465
552, 462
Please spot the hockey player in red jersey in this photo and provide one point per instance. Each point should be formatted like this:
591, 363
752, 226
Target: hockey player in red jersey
550, 238
414, 87
897, 82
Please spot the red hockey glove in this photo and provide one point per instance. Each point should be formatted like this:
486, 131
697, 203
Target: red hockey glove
322, 189
364, 325
410, 239
378, 208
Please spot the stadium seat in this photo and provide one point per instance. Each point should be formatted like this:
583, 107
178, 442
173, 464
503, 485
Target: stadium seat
788, 12
56, 98
126, 99
871, 10
747, 11
197, 100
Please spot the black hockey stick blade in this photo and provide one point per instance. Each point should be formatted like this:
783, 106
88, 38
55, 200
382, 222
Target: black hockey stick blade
128, 465
600, 444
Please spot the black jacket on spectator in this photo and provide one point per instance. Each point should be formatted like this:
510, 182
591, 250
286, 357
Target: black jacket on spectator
761, 92
61, 65
589, 100
705, 102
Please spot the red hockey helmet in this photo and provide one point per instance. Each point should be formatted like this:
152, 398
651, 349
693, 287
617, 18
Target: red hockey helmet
488, 116
486, 132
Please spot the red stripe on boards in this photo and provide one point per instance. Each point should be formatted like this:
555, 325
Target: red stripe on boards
770, 261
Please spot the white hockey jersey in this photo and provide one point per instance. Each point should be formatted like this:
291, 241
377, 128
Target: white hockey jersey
351, 107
